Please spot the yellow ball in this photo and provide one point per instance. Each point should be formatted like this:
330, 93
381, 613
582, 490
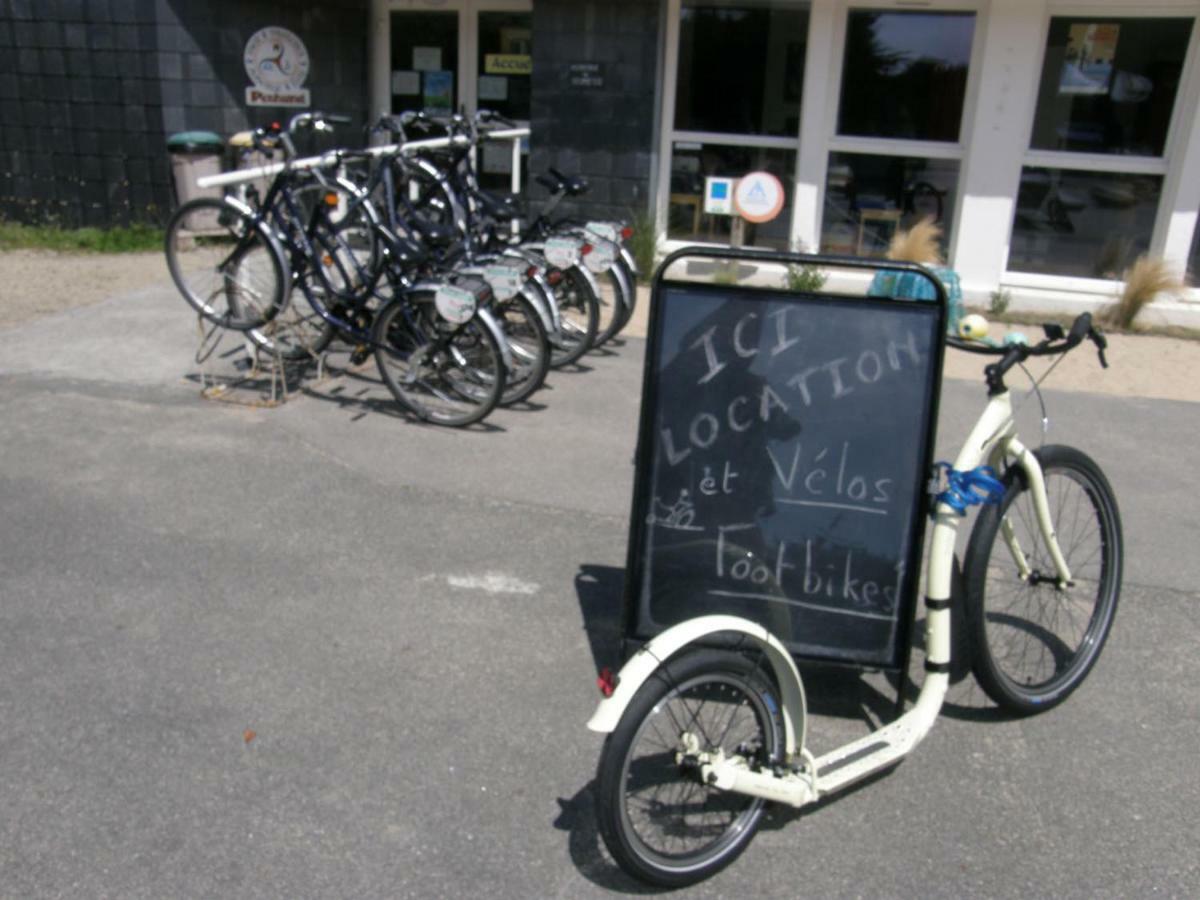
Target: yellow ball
973, 327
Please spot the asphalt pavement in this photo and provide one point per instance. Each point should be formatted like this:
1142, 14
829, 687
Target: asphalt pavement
320, 650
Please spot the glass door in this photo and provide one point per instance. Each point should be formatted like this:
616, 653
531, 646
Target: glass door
424, 73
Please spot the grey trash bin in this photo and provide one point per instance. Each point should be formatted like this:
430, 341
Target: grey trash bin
194, 154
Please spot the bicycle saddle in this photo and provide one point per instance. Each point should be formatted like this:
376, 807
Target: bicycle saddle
556, 182
502, 208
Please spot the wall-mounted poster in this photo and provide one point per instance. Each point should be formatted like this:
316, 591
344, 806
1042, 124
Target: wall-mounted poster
1088, 66
405, 82
427, 59
493, 87
439, 90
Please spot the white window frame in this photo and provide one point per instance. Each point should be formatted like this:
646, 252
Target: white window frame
669, 135
943, 150
1169, 226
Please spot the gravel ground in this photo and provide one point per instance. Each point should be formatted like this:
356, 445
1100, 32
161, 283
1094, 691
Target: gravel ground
35, 283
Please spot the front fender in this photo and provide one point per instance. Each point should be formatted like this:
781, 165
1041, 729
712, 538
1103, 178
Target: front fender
643, 663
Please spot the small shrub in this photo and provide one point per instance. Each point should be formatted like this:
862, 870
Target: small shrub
919, 244
644, 243
806, 279
1144, 280
1000, 299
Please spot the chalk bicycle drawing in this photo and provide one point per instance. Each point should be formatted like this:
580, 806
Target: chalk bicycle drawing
700, 738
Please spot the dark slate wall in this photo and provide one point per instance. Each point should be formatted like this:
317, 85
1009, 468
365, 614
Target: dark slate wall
204, 78
605, 132
90, 90
80, 126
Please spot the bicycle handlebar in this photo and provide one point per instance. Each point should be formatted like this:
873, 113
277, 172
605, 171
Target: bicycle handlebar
1057, 341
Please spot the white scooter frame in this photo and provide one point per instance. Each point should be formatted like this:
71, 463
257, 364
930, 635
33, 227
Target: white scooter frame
803, 779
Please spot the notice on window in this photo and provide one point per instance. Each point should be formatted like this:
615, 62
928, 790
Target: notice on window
439, 90
427, 59
493, 87
1088, 66
405, 82
507, 64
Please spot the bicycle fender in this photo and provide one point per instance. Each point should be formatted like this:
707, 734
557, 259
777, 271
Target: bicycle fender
489, 322
537, 300
626, 289
678, 637
628, 259
593, 286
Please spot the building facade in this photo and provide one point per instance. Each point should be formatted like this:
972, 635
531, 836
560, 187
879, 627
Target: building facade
1052, 140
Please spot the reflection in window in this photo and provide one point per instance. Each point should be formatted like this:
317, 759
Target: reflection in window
741, 69
691, 163
1082, 224
424, 61
905, 74
1109, 85
869, 198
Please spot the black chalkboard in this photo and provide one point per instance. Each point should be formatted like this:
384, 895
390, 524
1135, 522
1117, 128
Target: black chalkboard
782, 462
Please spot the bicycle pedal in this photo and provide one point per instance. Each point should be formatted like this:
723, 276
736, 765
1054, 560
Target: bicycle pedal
360, 354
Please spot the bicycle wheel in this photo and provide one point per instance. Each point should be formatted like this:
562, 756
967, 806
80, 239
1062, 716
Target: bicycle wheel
227, 264
579, 313
632, 282
298, 333
1032, 643
658, 818
528, 344
611, 306
443, 373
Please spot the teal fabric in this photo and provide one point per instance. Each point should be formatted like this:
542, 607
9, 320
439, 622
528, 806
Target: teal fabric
911, 286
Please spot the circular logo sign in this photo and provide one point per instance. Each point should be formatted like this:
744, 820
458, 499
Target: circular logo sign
276, 59
758, 197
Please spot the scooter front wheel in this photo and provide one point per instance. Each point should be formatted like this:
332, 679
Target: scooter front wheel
661, 822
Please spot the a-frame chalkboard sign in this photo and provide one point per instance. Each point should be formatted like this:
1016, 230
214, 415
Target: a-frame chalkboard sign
783, 459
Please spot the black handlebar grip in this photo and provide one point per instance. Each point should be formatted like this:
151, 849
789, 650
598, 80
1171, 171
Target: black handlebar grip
1080, 328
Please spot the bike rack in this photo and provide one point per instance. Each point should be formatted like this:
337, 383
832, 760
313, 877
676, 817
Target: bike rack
269, 381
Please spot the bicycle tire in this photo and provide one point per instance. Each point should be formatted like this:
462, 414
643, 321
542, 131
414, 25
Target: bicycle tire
1032, 644
611, 306
529, 347
631, 280
650, 806
579, 314
298, 333
446, 374
226, 263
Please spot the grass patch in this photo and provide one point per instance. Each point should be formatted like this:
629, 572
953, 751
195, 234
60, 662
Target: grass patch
130, 239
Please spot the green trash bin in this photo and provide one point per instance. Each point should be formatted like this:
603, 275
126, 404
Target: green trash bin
194, 154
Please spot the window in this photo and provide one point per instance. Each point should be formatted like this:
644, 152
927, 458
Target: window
691, 163
1094, 172
1082, 224
740, 68
904, 74
869, 198
1109, 85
